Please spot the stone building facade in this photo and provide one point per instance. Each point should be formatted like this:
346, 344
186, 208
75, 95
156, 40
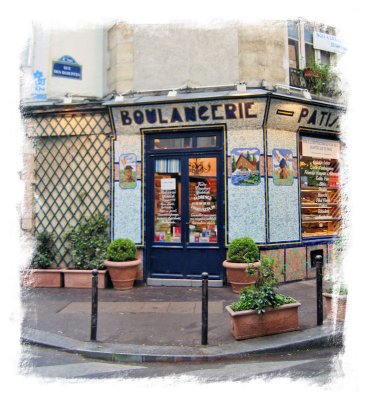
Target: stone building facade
180, 105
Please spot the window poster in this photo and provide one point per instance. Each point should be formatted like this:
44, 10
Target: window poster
282, 167
203, 210
127, 171
245, 165
167, 212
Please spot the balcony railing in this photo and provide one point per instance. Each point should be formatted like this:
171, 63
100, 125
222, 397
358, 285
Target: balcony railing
296, 78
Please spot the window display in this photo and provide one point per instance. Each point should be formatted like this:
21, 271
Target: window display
320, 193
167, 205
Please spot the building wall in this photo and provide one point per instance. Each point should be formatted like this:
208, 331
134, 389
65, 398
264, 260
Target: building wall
120, 56
153, 57
175, 56
263, 53
85, 45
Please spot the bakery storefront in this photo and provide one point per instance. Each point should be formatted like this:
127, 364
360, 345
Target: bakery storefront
193, 172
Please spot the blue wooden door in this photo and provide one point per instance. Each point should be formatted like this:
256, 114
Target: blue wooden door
184, 203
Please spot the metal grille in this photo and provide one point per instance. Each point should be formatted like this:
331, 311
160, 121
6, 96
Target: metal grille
72, 172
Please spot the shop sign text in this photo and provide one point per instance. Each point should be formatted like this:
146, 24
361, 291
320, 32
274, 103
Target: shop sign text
215, 112
325, 119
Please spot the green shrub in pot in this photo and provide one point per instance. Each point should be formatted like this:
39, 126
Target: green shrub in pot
243, 253
122, 264
243, 250
87, 242
121, 250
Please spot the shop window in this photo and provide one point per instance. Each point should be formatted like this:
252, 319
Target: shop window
320, 189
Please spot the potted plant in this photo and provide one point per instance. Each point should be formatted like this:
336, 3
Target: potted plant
260, 310
336, 302
87, 242
40, 273
122, 263
243, 253
321, 79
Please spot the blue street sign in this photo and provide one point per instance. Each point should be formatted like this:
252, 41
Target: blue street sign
67, 67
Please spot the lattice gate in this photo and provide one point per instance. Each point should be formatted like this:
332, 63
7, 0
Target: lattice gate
72, 172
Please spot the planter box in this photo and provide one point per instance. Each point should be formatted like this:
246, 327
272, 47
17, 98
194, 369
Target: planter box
47, 278
340, 303
250, 324
82, 279
237, 275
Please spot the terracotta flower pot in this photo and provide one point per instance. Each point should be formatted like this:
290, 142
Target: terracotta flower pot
340, 303
311, 73
250, 324
82, 279
123, 273
237, 275
41, 278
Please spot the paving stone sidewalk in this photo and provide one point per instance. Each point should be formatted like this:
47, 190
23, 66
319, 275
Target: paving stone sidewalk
146, 315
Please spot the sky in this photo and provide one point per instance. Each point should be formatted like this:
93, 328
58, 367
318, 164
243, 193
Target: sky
15, 26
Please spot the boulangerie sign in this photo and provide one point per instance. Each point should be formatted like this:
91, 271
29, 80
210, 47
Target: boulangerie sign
320, 148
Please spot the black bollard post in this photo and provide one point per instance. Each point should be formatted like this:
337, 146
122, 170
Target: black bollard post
93, 331
204, 309
320, 305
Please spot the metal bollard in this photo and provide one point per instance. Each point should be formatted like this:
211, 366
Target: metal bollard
93, 331
204, 309
320, 305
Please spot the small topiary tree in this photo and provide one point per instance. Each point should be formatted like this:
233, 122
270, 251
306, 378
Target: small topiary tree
121, 250
243, 250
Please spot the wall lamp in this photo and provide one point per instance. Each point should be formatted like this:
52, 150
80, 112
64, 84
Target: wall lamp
289, 89
241, 87
68, 98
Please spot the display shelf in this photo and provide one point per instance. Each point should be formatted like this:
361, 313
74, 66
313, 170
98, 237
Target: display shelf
319, 188
318, 205
315, 219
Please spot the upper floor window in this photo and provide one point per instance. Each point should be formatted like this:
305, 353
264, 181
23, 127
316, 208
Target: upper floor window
293, 53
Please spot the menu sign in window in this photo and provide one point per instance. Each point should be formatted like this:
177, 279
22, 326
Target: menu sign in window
203, 211
167, 210
319, 170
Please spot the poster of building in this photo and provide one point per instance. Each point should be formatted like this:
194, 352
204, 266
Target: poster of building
245, 166
127, 174
282, 167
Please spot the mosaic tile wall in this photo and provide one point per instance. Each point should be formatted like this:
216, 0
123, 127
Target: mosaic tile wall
246, 212
246, 204
284, 224
295, 263
127, 213
127, 202
278, 256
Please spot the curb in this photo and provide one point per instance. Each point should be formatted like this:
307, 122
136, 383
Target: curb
321, 336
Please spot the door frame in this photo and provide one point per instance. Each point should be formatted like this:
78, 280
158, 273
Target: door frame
219, 151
